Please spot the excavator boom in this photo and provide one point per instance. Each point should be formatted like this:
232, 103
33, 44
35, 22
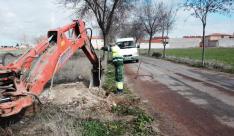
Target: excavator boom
25, 78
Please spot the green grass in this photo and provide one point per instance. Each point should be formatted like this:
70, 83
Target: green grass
98, 128
53, 120
139, 126
221, 59
109, 83
222, 55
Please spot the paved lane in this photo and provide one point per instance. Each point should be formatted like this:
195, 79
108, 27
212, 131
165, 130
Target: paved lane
192, 101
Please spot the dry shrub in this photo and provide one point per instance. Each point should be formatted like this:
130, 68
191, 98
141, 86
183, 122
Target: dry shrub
76, 69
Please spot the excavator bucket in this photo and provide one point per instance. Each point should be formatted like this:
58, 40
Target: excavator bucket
12, 98
5, 84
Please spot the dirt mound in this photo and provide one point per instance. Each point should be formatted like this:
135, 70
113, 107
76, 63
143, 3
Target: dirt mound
80, 101
73, 109
63, 107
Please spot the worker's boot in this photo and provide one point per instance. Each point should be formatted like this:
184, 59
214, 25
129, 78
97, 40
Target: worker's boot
119, 91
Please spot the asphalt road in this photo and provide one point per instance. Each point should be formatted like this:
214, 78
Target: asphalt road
189, 101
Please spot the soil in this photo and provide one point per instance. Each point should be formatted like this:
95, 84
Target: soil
67, 103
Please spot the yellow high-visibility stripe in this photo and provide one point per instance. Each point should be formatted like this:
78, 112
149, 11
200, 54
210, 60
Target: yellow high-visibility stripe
114, 55
119, 85
116, 51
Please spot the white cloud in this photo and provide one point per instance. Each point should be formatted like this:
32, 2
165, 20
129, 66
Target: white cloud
35, 17
31, 18
189, 25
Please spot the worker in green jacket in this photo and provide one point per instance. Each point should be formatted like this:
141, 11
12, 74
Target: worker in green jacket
117, 59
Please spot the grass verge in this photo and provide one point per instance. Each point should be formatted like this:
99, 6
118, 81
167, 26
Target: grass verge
140, 125
52, 120
221, 59
109, 84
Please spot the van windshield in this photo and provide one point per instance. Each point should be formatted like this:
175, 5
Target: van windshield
126, 45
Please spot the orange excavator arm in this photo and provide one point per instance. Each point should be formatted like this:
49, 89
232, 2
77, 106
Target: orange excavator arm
25, 78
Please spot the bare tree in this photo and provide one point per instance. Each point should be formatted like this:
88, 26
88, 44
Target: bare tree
106, 12
150, 18
202, 8
133, 29
167, 22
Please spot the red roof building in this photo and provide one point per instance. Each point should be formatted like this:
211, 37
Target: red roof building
98, 37
219, 34
154, 40
191, 37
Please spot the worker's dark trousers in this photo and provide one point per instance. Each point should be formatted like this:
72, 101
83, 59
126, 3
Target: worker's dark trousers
118, 63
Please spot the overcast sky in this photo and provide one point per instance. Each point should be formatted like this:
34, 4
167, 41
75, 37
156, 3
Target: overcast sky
33, 18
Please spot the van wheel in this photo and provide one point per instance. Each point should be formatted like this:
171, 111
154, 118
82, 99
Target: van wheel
137, 61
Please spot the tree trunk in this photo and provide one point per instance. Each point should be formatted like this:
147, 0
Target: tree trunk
203, 44
164, 42
150, 40
104, 44
164, 49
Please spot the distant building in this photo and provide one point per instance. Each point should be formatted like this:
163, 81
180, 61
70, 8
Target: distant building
217, 36
173, 43
192, 37
232, 35
226, 43
23, 46
212, 40
97, 42
156, 43
185, 42
7, 46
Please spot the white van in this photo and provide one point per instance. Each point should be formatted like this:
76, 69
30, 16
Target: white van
129, 50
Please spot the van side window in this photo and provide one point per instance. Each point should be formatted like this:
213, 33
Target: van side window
126, 45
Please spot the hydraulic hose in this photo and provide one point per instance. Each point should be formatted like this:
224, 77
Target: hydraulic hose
5, 57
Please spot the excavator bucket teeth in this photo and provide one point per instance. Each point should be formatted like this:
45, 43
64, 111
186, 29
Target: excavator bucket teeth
6, 85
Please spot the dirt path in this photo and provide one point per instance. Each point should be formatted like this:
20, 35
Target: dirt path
188, 100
